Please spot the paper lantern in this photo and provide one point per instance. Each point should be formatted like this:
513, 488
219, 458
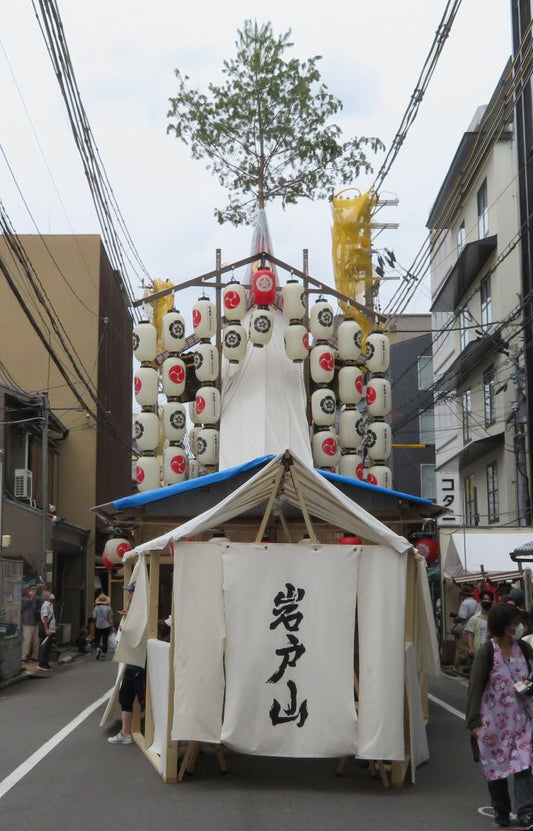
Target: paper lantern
351, 466
204, 318
206, 362
145, 341
234, 343
377, 352
323, 407
234, 301
145, 386
350, 539
174, 420
378, 397
293, 300
261, 327
321, 320
429, 549
173, 375
351, 428
322, 364
378, 440
351, 384
173, 331
207, 447
349, 340
147, 473
263, 287
380, 475
115, 548
174, 464
326, 449
296, 339
193, 415
193, 435
106, 562
194, 468
207, 405
146, 431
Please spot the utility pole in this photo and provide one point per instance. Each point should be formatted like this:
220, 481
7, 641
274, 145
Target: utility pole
519, 418
44, 439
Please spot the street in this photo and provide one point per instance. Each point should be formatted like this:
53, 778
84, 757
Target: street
58, 772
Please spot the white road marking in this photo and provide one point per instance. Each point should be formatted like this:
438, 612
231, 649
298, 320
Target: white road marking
18, 774
447, 707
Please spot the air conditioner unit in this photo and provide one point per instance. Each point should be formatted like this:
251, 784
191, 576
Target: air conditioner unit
23, 484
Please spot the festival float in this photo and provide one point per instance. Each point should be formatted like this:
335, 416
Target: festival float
268, 419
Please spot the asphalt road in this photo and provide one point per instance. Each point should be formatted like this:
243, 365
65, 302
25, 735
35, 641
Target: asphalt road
82, 783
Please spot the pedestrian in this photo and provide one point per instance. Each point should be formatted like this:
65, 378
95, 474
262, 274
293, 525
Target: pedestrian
469, 606
31, 617
476, 627
499, 712
103, 621
133, 686
48, 620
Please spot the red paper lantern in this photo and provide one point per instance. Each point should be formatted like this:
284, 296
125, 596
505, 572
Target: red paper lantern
350, 539
429, 549
264, 287
107, 563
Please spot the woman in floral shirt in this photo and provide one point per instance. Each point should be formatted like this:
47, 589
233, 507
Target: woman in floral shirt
499, 712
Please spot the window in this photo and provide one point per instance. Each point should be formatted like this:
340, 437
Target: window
492, 492
461, 238
428, 482
488, 396
426, 427
482, 211
425, 372
486, 303
466, 407
465, 321
471, 514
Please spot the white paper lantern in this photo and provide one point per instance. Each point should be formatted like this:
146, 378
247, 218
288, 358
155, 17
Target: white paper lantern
173, 375
207, 405
147, 473
194, 468
174, 420
204, 318
378, 440
174, 464
173, 331
323, 407
145, 386
351, 428
234, 301
322, 364
261, 327
351, 384
326, 449
207, 447
235, 341
115, 548
380, 475
349, 340
321, 319
351, 465
206, 362
293, 300
146, 431
193, 435
378, 397
193, 415
377, 352
296, 338
145, 341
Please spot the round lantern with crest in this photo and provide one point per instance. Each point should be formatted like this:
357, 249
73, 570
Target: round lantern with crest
234, 301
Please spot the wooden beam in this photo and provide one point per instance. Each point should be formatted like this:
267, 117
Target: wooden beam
303, 506
270, 503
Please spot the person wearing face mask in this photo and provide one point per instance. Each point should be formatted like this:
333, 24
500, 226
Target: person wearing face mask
499, 712
476, 627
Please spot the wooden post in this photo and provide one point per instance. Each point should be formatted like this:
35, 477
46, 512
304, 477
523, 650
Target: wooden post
399, 769
153, 610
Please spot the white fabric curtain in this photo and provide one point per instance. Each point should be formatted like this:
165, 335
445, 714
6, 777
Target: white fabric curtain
131, 648
381, 621
290, 617
198, 621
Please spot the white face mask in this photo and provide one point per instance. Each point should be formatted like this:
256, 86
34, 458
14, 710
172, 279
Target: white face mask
520, 629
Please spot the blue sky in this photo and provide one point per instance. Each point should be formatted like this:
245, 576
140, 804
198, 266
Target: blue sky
124, 58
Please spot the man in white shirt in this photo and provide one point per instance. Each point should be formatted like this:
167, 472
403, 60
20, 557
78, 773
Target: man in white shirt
48, 620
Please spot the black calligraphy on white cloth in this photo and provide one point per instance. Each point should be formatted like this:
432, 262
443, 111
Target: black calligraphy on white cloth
287, 614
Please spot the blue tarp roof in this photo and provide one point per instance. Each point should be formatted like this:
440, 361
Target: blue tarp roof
139, 499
